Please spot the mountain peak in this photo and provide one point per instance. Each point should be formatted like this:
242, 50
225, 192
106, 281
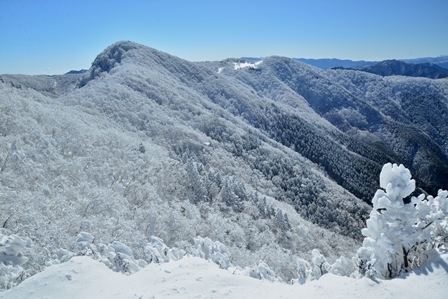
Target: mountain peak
111, 57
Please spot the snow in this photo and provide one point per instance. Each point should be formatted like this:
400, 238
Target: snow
400, 235
396, 180
193, 277
238, 66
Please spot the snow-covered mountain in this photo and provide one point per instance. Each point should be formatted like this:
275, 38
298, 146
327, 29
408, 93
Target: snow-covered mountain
326, 63
272, 158
441, 61
400, 68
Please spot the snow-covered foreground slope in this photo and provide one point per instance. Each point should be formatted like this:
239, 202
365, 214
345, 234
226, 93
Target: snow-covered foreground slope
191, 277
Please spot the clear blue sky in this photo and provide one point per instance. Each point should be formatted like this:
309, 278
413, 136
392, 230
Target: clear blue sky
55, 36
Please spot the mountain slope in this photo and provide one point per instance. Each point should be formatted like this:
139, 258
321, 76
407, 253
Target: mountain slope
137, 152
414, 125
225, 100
369, 110
51, 86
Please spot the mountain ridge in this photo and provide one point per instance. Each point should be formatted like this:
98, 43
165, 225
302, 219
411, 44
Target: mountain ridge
326, 63
400, 68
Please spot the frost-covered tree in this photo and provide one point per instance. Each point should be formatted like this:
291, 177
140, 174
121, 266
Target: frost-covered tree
196, 191
282, 221
320, 264
343, 267
433, 214
304, 270
263, 271
399, 231
390, 229
17, 259
209, 250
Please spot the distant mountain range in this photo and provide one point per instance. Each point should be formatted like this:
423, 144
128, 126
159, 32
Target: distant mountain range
400, 68
429, 67
76, 72
441, 61
326, 63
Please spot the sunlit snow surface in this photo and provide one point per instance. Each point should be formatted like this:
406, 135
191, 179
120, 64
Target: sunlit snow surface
83, 277
238, 66
242, 65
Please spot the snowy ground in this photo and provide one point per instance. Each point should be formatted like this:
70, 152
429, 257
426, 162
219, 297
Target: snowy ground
83, 277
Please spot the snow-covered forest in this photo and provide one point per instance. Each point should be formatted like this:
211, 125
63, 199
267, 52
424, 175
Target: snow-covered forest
267, 169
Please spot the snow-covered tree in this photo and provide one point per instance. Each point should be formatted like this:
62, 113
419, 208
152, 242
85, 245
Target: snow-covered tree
433, 212
209, 250
342, 267
399, 231
263, 271
320, 264
16, 254
304, 270
196, 191
158, 252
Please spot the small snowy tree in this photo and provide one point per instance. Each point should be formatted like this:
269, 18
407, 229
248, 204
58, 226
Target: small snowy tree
196, 191
304, 270
390, 232
342, 267
124, 259
158, 252
320, 264
14, 259
398, 232
264, 272
116, 255
433, 219
209, 250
